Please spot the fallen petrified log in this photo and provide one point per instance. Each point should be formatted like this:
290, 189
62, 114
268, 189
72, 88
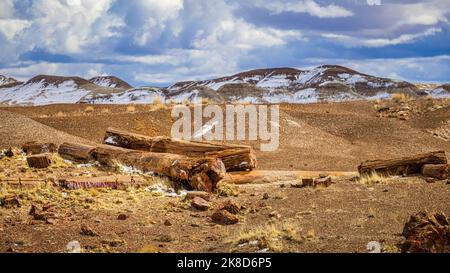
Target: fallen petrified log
235, 157
76, 152
39, 161
428, 233
402, 166
112, 181
438, 171
33, 147
195, 173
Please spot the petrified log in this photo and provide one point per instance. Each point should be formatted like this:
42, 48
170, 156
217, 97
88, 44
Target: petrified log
402, 166
235, 157
39, 161
426, 232
438, 171
113, 182
196, 173
33, 147
76, 152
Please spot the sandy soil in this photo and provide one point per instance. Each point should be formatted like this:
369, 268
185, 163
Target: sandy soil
323, 136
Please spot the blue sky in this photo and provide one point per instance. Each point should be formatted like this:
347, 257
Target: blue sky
159, 42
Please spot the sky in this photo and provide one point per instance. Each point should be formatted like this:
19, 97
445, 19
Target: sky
159, 42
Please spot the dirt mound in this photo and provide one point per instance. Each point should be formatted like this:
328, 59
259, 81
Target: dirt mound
16, 129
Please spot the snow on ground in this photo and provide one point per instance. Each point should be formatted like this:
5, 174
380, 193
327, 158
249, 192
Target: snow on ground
135, 96
105, 82
439, 93
5, 80
276, 81
188, 96
39, 94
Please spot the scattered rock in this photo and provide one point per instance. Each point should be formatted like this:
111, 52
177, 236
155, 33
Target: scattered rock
428, 233
165, 238
322, 182
88, 231
122, 217
73, 247
224, 217
9, 201
40, 215
275, 214
265, 196
297, 185
12, 152
373, 247
167, 222
323, 175
230, 206
200, 203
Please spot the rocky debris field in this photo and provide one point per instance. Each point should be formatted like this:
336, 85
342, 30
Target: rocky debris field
302, 215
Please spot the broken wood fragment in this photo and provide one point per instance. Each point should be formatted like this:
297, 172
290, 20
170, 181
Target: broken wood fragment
76, 152
402, 166
33, 147
438, 171
39, 161
113, 182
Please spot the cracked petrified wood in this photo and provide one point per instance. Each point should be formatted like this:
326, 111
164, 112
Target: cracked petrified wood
403, 165
195, 173
235, 157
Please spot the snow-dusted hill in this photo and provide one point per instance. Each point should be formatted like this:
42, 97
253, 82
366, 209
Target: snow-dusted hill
110, 81
274, 85
442, 91
45, 89
5, 81
331, 83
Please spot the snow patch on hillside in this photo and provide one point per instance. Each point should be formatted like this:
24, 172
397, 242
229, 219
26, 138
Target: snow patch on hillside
133, 96
41, 94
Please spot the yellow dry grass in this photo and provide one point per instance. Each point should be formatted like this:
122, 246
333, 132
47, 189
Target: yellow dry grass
401, 98
270, 236
373, 178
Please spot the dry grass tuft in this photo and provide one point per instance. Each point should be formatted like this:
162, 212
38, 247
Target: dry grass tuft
131, 109
226, 189
89, 109
61, 114
273, 237
373, 178
401, 97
